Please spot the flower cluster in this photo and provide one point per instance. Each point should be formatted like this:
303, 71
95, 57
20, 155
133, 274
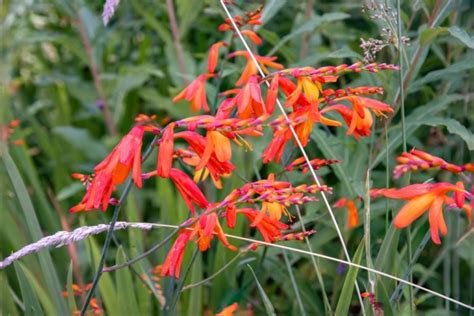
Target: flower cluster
79, 291
6, 133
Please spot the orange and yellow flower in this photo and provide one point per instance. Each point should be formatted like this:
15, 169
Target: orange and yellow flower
352, 216
195, 92
426, 197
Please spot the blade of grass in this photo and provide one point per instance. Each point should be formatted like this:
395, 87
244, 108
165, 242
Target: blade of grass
125, 289
266, 301
70, 293
30, 300
49, 272
345, 298
293, 283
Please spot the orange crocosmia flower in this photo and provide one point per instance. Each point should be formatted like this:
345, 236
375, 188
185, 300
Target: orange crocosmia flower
249, 100
195, 92
268, 228
114, 170
229, 310
188, 190
206, 228
252, 36
198, 143
213, 56
275, 148
251, 69
288, 88
165, 152
272, 94
310, 89
230, 215
421, 198
218, 144
359, 119
174, 259
192, 159
352, 217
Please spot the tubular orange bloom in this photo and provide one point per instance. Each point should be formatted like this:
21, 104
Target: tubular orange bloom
353, 217
310, 89
423, 197
165, 153
174, 259
188, 190
213, 56
272, 94
275, 148
198, 143
316, 163
249, 100
229, 310
269, 229
230, 215
114, 170
206, 228
359, 119
252, 36
251, 68
195, 92
218, 144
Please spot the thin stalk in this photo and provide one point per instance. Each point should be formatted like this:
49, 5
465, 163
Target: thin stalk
179, 288
327, 304
106, 246
298, 141
215, 274
293, 283
110, 232
177, 40
399, 288
401, 75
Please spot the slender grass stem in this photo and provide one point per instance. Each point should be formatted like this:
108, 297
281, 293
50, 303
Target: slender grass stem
179, 288
294, 284
215, 274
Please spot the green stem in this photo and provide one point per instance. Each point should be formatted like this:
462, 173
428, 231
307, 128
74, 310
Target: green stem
293, 283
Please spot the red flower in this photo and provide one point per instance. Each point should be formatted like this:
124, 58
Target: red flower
251, 68
114, 170
188, 190
213, 55
165, 153
174, 259
195, 92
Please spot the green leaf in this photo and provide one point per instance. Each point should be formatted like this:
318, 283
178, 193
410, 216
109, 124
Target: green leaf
453, 127
70, 293
266, 301
345, 298
40, 293
462, 35
125, 287
271, 9
430, 34
309, 26
30, 300
47, 267
81, 139
8, 304
187, 14
69, 191
124, 85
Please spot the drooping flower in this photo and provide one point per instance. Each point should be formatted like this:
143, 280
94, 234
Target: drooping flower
204, 230
114, 170
165, 152
229, 310
270, 230
251, 69
352, 216
195, 92
213, 56
174, 259
252, 36
188, 190
218, 144
425, 197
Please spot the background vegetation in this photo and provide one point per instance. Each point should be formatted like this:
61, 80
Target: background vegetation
60, 64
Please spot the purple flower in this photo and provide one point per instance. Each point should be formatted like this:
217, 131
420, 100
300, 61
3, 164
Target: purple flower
109, 10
